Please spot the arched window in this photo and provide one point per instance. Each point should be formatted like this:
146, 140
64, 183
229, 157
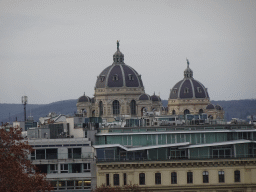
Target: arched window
133, 107
173, 112
173, 178
142, 178
237, 176
101, 108
221, 176
205, 177
115, 77
143, 109
116, 107
93, 113
201, 111
186, 112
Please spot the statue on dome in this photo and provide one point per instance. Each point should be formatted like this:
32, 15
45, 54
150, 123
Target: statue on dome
187, 62
117, 44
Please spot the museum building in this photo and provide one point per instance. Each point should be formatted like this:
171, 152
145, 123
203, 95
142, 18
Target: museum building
119, 92
167, 158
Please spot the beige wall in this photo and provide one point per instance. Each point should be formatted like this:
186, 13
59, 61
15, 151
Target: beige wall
193, 105
247, 170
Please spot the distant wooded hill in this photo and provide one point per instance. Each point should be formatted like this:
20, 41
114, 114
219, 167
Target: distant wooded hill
8, 112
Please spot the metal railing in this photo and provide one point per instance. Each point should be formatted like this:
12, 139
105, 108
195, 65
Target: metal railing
87, 155
169, 158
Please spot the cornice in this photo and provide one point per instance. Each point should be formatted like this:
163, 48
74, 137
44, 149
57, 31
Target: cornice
176, 164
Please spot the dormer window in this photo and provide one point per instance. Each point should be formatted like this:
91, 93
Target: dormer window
102, 78
199, 90
186, 90
115, 77
175, 90
131, 78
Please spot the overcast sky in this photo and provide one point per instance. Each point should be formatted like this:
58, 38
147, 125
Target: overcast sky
52, 50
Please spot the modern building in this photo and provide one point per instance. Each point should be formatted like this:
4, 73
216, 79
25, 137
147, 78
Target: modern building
68, 160
25, 125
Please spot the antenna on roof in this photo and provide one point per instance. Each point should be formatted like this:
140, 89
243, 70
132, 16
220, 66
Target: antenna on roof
24, 100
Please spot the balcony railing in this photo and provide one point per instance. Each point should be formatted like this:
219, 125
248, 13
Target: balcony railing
169, 158
48, 156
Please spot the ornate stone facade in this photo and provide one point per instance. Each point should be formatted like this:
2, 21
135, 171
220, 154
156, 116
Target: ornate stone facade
117, 93
189, 96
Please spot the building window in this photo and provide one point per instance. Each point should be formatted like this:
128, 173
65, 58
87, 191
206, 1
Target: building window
101, 108
133, 107
102, 78
93, 113
221, 152
221, 177
62, 185
199, 90
87, 184
54, 185
177, 154
116, 107
53, 168
130, 76
186, 112
158, 178
186, 90
51, 153
107, 179
174, 178
205, 177
115, 77
87, 167
78, 185
76, 167
44, 154
175, 90
142, 178
74, 153
116, 179
64, 168
124, 178
189, 177
201, 111
173, 112
237, 176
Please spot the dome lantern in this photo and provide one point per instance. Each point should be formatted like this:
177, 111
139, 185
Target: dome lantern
118, 57
188, 73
